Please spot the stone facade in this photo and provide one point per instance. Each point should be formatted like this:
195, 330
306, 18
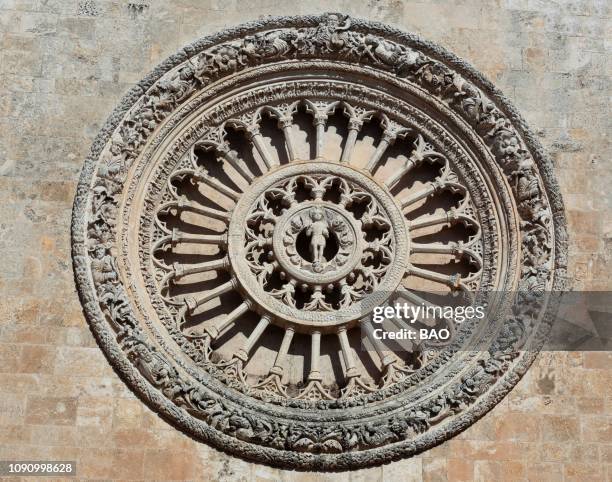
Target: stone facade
65, 65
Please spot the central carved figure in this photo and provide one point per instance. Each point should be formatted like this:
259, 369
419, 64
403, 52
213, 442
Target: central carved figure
318, 238
318, 234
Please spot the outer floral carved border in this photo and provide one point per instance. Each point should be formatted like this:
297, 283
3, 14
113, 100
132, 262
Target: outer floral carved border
336, 446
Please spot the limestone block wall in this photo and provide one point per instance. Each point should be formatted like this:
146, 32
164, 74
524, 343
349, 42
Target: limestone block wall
64, 64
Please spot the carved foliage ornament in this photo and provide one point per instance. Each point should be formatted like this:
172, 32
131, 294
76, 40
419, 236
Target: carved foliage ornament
263, 190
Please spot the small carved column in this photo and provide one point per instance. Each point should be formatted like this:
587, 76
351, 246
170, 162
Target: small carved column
315, 354
357, 117
243, 353
230, 157
422, 151
278, 369
249, 123
349, 362
320, 111
392, 131
214, 139
354, 127
254, 135
217, 329
386, 357
284, 114
191, 303
200, 175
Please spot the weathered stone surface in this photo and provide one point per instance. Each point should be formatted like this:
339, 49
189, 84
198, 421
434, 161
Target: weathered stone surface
59, 80
311, 238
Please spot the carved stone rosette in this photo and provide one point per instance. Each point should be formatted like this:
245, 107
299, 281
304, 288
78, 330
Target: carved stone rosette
252, 200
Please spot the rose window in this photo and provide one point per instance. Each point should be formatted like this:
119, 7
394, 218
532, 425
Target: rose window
251, 203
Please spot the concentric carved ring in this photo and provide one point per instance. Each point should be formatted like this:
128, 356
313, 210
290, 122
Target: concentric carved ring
264, 189
317, 244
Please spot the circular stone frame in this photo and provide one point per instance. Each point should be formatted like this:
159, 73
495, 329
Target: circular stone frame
306, 445
292, 315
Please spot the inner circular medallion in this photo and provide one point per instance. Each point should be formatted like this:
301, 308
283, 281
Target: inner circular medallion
317, 244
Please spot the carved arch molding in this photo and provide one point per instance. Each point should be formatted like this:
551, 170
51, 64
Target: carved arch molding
264, 188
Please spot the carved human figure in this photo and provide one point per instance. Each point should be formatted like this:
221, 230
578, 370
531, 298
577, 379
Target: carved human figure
103, 266
332, 33
318, 232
